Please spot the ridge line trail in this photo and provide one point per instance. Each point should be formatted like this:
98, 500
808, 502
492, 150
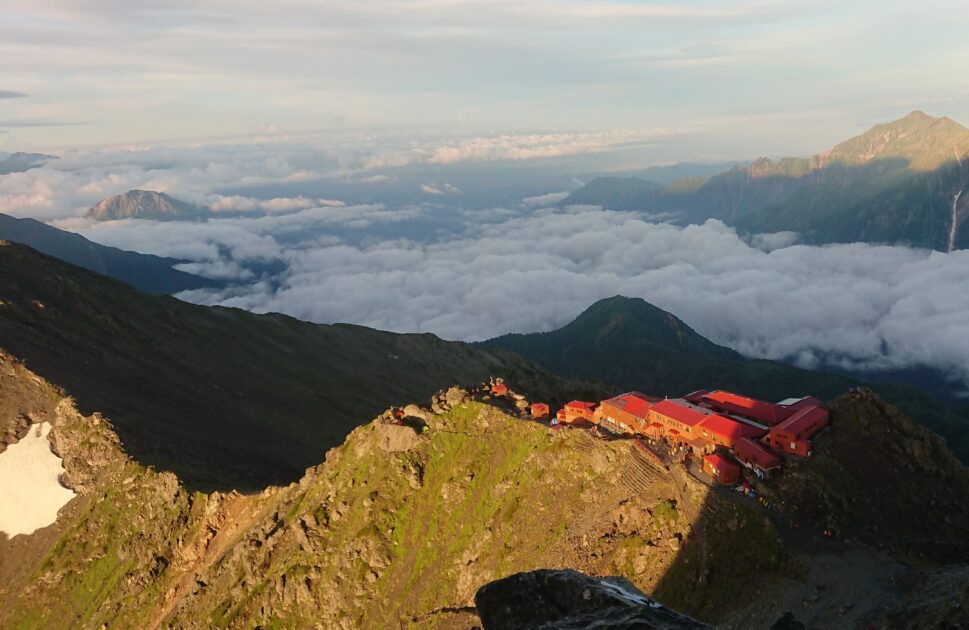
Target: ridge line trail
236, 514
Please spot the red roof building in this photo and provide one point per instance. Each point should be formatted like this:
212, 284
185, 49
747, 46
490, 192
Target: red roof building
696, 397
721, 468
793, 435
678, 416
754, 456
539, 410
726, 431
627, 413
578, 410
499, 389
758, 410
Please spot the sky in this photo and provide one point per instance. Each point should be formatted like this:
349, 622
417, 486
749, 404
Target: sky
733, 79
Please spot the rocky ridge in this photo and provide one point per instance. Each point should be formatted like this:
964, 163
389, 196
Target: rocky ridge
398, 526
403, 524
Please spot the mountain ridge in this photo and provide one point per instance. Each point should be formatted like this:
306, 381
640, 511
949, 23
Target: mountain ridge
898, 183
401, 527
145, 272
223, 397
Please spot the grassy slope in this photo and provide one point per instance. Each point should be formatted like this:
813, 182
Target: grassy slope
223, 397
368, 539
390, 539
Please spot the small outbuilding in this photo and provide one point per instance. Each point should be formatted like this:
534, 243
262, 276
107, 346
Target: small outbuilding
794, 434
721, 469
539, 411
578, 411
499, 389
756, 457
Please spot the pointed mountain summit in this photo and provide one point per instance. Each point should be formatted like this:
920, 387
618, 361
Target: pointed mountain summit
143, 204
924, 141
629, 343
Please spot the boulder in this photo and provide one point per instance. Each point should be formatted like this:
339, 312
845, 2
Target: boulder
395, 438
564, 599
456, 396
413, 411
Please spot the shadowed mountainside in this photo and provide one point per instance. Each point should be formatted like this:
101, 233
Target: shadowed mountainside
222, 397
151, 274
19, 162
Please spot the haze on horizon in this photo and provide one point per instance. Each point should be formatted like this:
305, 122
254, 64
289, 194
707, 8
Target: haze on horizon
711, 80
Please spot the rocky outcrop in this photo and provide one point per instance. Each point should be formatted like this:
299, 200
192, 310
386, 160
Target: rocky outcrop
396, 438
568, 599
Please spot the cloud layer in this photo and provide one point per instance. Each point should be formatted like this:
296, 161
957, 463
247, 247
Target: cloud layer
856, 306
326, 229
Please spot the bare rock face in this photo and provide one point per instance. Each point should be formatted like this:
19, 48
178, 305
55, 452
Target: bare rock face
396, 438
564, 599
456, 396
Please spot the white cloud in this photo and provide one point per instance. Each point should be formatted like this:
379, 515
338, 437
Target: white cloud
855, 306
483, 271
542, 201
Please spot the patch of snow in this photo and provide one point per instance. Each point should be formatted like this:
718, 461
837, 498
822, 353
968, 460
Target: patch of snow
30, 490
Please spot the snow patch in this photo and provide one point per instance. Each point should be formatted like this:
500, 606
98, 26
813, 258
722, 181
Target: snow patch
30, 490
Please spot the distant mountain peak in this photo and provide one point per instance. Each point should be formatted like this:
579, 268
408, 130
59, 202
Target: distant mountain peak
924, 142
143, 204
20, 162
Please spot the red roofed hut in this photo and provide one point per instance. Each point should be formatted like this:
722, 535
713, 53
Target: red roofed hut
757, 410
499, 389
793, 435
679, 417
539, 410
578, 411
756, 457
725, 431
721, 468
627, 413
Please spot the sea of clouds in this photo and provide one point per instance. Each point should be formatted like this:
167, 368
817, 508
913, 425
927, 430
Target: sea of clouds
467, 273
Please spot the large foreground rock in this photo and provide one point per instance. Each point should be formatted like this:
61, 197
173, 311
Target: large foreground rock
568, 599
